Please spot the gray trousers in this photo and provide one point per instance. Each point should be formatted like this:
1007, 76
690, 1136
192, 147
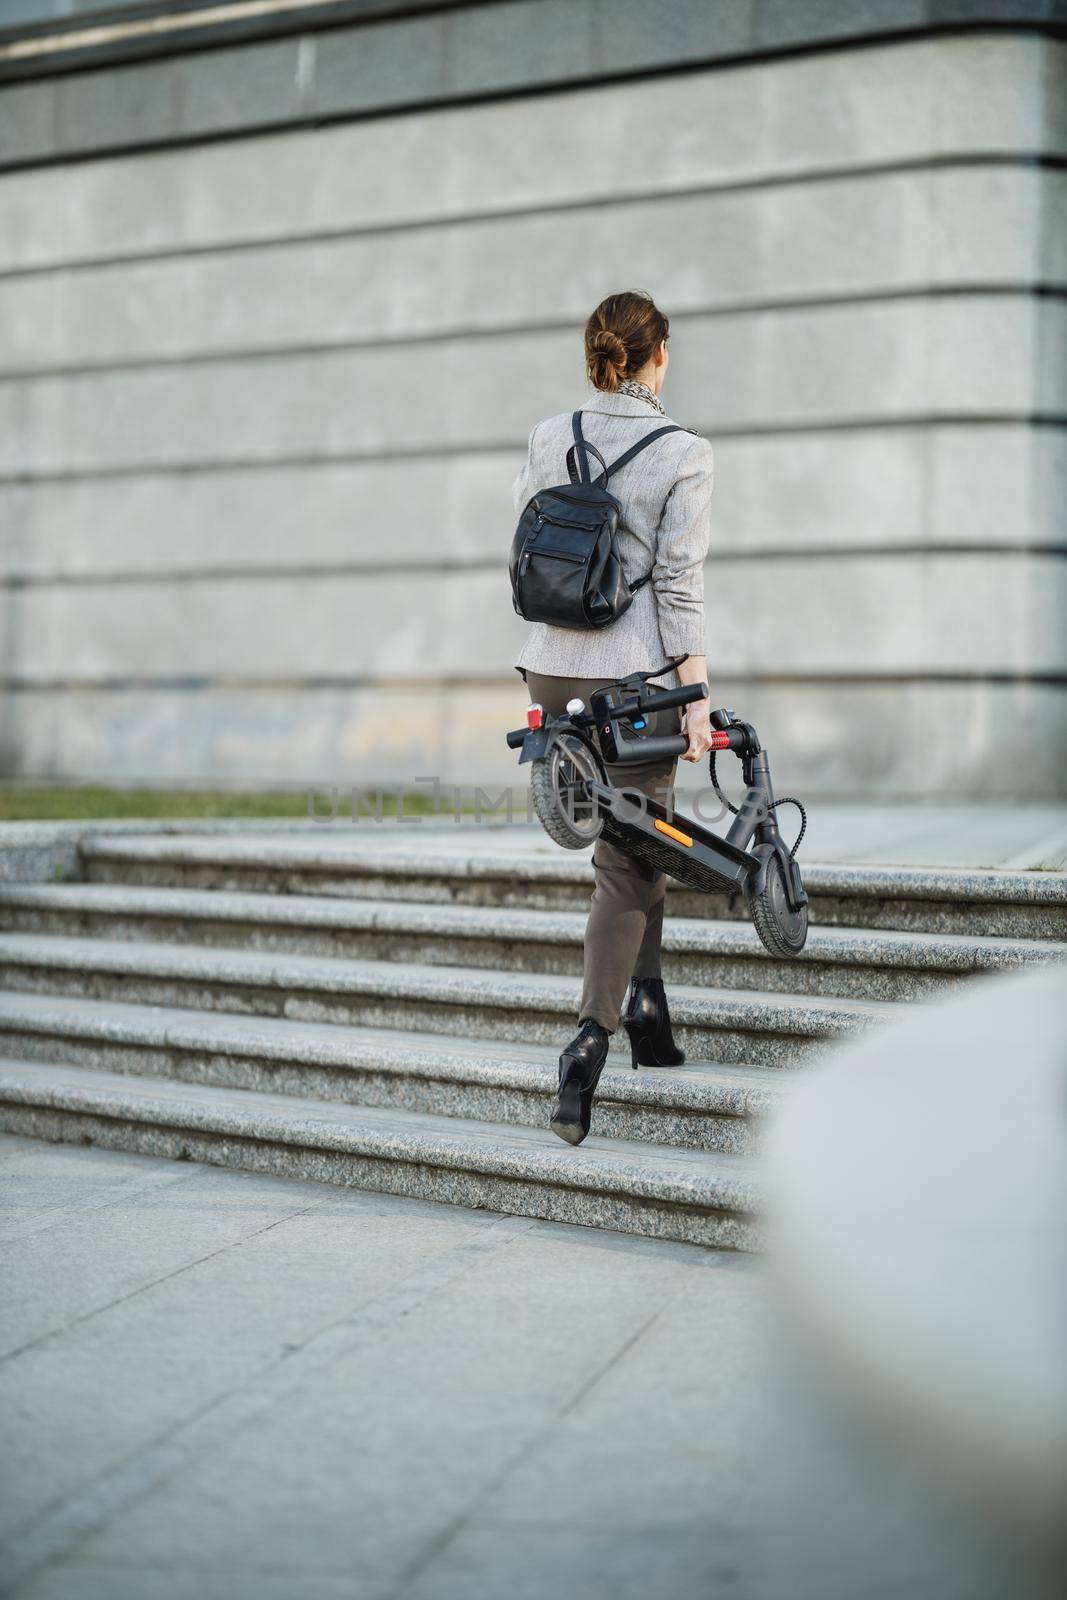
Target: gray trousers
625, 926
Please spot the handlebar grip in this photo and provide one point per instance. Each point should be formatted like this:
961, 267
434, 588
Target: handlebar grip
651, 749
684, 695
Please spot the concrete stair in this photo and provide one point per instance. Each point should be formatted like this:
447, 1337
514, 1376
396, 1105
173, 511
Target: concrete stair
997, 904
883, 964
696, 1196
768, 1029
392, 1019
699, 1106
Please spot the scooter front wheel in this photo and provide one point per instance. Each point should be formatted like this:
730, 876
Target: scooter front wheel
560, 782
783, 930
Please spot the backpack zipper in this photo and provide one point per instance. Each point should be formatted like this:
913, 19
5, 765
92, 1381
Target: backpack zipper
550, 555
527, 553
569, 522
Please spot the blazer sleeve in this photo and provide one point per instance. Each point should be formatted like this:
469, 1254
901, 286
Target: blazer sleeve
682, 540
519, 488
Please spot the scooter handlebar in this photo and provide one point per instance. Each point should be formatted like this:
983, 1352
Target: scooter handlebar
684, 695
651, 749
675, 744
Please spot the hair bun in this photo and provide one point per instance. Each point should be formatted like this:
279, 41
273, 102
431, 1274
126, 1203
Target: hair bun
608, 344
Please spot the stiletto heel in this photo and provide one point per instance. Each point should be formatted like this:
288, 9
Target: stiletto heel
580, 1067
641, 1052
648, 1024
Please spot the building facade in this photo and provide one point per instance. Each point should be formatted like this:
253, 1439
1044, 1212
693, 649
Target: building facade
282, 291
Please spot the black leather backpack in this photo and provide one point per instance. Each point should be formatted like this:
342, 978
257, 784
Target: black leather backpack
565, 564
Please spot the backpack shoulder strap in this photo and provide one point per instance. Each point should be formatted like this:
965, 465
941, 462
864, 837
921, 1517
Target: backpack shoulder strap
628, 455
579, 453
577, 465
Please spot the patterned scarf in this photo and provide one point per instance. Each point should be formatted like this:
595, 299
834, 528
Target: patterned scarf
640, 391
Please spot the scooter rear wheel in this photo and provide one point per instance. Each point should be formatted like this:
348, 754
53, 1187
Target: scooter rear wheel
782, 930
560, 784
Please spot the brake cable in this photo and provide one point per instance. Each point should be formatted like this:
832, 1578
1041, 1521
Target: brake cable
786, 800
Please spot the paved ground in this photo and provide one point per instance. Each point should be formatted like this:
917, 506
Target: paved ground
223, 1386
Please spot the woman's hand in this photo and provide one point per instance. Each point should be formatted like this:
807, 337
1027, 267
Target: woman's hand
697, 729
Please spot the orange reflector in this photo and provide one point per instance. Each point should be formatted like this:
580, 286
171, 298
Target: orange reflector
673, 833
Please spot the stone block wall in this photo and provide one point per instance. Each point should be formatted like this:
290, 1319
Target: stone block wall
265, 381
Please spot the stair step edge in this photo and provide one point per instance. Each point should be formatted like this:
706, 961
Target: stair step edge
692, 1178
722, 1089
839, 878
682, 936
460, 986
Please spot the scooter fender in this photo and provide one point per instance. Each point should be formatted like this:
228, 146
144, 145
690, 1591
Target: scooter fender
758, 881
794, 889
536, 744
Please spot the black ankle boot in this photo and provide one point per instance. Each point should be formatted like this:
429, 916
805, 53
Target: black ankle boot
580, 1067
648, 1022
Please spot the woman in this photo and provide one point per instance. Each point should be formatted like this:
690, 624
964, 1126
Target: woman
666, 497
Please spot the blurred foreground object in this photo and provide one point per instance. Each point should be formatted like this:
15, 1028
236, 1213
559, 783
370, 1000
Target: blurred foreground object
920, 1185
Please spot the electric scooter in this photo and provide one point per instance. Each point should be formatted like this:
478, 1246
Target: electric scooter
577, 804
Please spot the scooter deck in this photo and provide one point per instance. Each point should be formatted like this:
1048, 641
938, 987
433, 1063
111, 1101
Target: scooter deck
672, 843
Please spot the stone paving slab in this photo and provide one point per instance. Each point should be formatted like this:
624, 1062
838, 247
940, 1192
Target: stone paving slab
151, 1316
47, 1187
131, 1580
372, 1374
253, 1388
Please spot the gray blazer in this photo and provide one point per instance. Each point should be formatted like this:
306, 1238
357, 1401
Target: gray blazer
665, 528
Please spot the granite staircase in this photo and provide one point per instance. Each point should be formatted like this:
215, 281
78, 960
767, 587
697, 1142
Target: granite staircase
363, 1013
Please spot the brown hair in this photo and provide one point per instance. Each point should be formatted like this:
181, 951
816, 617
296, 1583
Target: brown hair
621, 337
